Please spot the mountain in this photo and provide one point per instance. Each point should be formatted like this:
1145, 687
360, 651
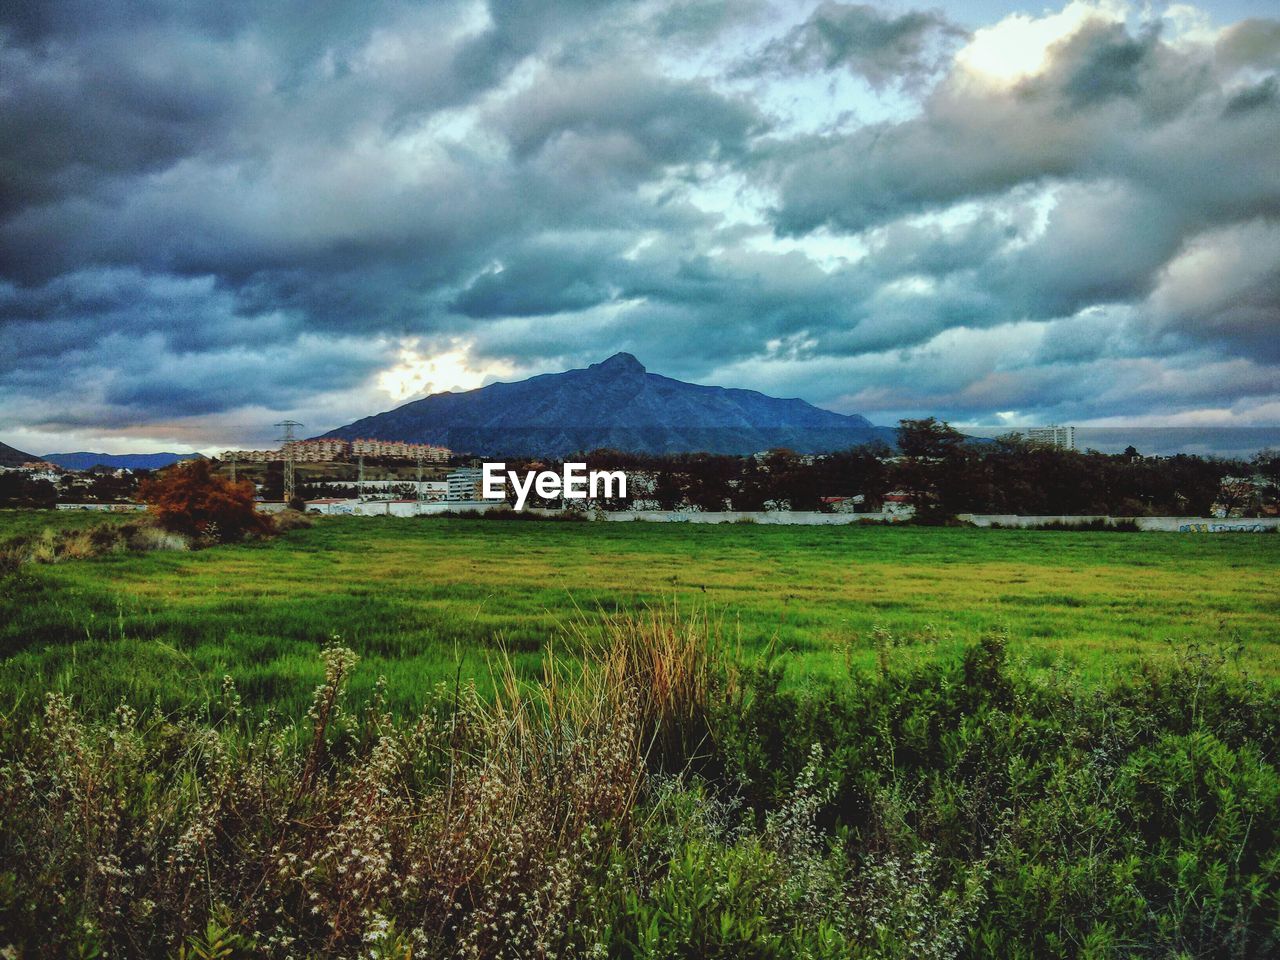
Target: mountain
129, 461
615, 404
9, 457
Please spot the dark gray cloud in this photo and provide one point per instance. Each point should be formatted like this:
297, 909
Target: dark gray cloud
211, 215
1109, 106
619, 120
1260, 96
1097, 66
881, 47
1146, 147
179, 384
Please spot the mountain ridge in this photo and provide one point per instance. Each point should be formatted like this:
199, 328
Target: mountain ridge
615, 403
85, 460
13, 457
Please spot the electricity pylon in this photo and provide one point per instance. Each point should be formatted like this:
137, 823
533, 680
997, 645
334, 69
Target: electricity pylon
287, 441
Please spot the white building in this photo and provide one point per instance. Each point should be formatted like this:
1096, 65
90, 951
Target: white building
251, 456
1064, 438
465, 485
319, 450
333, 450
399, 450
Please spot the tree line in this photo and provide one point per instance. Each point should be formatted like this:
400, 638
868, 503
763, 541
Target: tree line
943, 473
940, 471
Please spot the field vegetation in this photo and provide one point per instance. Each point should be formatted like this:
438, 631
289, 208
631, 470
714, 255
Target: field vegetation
424, 600
654, 800
389, 738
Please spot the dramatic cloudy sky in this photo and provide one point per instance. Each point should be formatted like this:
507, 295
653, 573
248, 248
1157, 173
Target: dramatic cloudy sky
217, 215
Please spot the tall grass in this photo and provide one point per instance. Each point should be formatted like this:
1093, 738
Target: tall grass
650, 798
139, 534
671, 662
475, 830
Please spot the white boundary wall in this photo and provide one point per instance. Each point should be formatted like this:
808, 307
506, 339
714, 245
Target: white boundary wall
1161, 524
395, 508
104, 507
789, 517
410, 508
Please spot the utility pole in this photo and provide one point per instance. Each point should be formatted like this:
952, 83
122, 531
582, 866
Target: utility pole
360, 479
419, 458
233, 468
287, 441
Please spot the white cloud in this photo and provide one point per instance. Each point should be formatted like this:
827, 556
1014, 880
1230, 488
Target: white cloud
1018, 46
436, 371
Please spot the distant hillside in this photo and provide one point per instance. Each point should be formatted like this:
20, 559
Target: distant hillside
615, 404
129, 461
9, 457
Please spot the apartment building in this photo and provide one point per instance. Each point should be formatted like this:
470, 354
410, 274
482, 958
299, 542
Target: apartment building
1064, 438
399, 450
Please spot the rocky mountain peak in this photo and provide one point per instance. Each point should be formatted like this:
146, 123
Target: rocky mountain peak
619, 364
616, 404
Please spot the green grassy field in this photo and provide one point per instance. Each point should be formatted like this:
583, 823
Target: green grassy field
425, 601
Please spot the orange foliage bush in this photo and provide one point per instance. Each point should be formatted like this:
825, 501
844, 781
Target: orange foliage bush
190, 498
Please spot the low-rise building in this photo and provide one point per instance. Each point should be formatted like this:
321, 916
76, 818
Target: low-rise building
40, 466
433, 491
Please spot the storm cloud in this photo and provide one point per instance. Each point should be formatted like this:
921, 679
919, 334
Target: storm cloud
216, 216
866, 40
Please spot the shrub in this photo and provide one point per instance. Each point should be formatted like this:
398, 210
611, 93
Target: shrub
147, 537
191, 499
80, 544
287, 520
650, 801
475, 830
12, 556
54, 546
671, 664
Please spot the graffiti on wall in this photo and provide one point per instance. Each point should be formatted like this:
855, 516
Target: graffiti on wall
104, 507
1238, 526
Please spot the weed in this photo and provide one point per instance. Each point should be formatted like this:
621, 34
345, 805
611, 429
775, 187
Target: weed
942, 809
